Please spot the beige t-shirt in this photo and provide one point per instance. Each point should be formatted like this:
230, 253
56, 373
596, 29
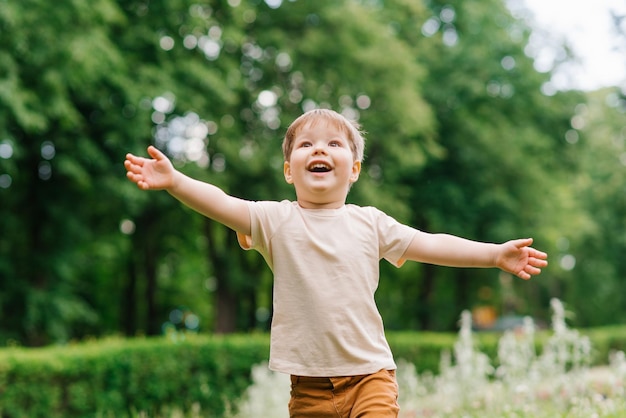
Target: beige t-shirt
326, 269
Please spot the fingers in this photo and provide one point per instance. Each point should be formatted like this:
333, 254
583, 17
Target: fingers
155, 153
523, 242
527, 242
137, 178
533, 267
140, 161
537, 254
134, 165
130, 167
528, 272
532, 270
133, 176
537, 262
134, 168
133, 159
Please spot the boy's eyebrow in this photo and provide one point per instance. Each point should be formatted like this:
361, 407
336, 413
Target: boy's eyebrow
343, 138
299, 138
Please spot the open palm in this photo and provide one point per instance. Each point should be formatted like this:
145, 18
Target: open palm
519, 258
150, 174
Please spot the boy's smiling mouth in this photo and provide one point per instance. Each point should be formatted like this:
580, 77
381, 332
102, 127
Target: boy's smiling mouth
319, 167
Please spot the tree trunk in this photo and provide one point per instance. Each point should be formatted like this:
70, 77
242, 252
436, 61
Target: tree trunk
226, 301
425, 293
462, 299
152, 320
129, 312
226, 310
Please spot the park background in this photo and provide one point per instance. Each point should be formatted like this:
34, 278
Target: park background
472, 129
466, 134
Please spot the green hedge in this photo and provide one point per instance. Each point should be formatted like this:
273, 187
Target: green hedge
605, 340
424, 349
124, 377
154, 376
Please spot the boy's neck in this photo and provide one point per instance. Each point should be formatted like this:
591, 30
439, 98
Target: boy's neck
327, 205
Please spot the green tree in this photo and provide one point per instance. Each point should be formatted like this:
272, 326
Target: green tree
51, 195
73, 107
459, 139
294, 57
593, 265
504, 157
122, 75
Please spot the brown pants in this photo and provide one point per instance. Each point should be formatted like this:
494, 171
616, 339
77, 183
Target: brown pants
371, 395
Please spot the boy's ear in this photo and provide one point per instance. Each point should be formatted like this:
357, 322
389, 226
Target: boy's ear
356, 171
287, 172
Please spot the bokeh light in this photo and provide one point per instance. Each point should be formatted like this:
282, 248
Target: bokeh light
274, 4
45, 170
127, 227
267, 98
164, 103
262, 314
568, 262
450, 35
430, 27
184, 138
363, 101
210, 284
218, 163
6, 150
181, 319
571, 136
210, 47
508, 63
166, 43
47, 150
283, 61
5, 181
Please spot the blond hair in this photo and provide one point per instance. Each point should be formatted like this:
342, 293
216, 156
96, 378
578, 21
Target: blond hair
351, 128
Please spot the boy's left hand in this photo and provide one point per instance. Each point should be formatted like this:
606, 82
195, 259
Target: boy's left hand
518, 258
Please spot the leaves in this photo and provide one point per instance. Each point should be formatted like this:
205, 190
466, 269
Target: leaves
460, 139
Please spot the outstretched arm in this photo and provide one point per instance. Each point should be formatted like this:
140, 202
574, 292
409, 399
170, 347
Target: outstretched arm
516, 257
158, 173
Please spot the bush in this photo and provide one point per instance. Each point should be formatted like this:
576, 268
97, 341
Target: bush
117, 377
424, 349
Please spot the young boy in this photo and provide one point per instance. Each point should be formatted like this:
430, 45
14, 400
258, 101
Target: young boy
326, 330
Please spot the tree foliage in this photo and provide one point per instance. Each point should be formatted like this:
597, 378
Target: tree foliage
460, 139
503, 144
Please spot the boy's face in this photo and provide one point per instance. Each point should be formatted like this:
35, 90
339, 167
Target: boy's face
321, 166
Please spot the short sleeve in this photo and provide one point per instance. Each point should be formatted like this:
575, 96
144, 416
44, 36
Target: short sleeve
266, 217
394, 238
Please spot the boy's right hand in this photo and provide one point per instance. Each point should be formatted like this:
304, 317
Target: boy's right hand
150, 174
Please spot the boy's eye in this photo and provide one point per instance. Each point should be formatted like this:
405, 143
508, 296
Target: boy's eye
335, 143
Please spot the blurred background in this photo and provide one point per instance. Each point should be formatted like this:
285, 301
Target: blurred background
481, 121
